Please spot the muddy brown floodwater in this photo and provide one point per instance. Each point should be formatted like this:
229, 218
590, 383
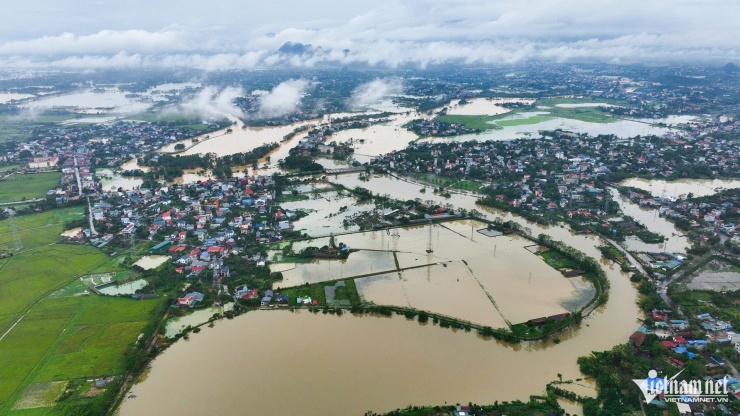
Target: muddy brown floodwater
300, 363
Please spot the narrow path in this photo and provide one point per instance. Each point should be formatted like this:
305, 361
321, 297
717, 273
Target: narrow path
27, 201
26, 380
14, 324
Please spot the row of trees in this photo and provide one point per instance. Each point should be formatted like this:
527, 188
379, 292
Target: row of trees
169, 167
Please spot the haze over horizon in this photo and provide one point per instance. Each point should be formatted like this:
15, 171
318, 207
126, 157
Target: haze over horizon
230, 34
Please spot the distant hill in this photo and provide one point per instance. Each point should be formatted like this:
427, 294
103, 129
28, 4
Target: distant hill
730, 68
296, 48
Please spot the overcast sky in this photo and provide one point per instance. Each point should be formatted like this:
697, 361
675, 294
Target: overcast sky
224, 34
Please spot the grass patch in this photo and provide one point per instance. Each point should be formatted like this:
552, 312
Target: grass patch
525, 121
481, 123
70, 338
27, 276
314, 291
19, 187
62, 336
185, 121
317, 292
468, 185
38, 229
6, 168
557, 261
612, 253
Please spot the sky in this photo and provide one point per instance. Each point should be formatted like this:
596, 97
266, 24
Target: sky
245, 34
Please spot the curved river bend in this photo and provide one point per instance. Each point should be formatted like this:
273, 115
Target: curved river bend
293, 363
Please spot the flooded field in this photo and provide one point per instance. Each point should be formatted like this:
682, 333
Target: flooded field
176, 325
241, 139
675, 239
620, 128
489, 280
151, 262
481, 107
111, 180
112, 100
128, 288
359, 263
379, 138
682, 187
6, 97
350, 364
327, 212
424, 364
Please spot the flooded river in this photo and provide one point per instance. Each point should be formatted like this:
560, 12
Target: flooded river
348, 365
301, 363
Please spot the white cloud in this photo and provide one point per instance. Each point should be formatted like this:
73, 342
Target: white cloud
211, 101
104, 41
375, 91
226, 34
285, 98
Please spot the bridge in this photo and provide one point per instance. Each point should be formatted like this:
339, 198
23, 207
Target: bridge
344, 170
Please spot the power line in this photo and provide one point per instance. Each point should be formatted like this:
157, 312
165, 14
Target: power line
16, 238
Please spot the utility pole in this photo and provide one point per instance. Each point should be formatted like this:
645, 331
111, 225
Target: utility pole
429, 241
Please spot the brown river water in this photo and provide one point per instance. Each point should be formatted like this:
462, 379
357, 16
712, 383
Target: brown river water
327, 365
289, 363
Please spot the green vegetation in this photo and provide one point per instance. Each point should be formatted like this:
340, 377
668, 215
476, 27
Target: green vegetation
650, 237
7, 168
59, 334
15, 127
481, 123
191, 122
537, 406
468, 185
19, 187
612, 253
540, 118
316, 292
484, 123
38, 229
557, 261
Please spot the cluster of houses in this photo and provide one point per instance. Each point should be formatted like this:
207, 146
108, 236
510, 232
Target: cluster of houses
677, 336
197, 224
659, 264
706, 217
266, 298
437, 128
106, 144
315, 141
